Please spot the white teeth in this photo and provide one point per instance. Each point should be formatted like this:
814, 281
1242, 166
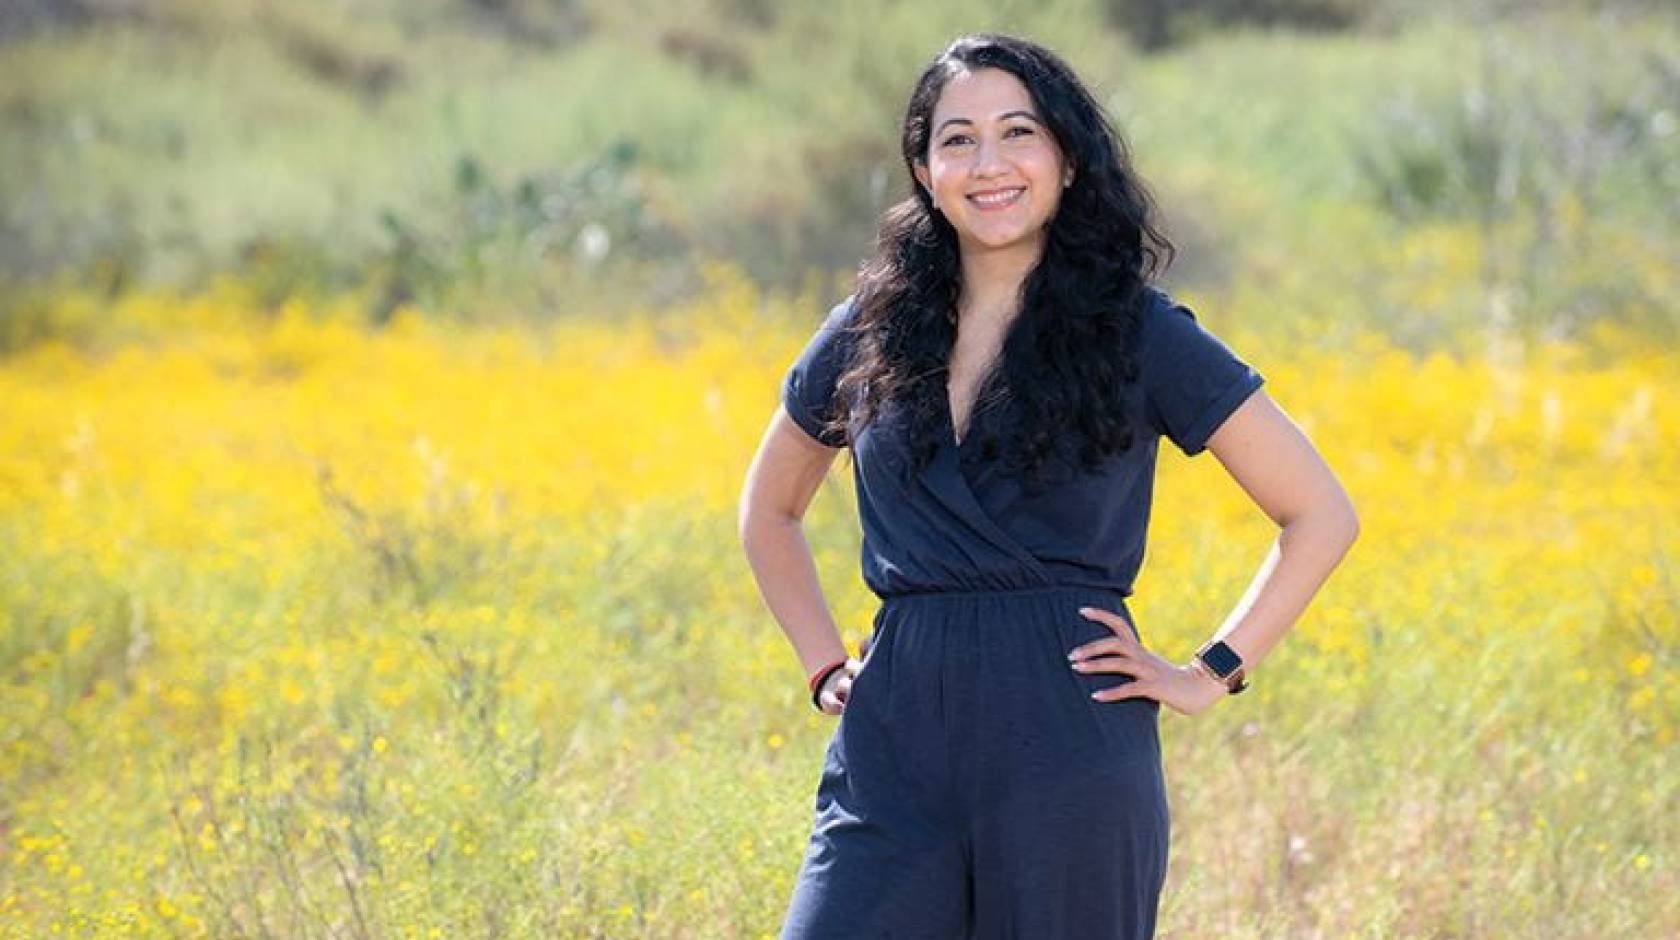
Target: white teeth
996, 199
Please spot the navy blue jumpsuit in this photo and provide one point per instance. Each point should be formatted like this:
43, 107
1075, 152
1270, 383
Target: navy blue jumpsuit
972, 789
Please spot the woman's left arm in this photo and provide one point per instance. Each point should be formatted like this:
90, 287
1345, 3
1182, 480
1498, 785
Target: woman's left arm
1272, 459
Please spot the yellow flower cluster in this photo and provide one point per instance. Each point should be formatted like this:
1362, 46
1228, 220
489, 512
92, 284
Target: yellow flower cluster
300, 612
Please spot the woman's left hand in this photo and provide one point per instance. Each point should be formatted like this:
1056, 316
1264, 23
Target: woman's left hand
1185, 689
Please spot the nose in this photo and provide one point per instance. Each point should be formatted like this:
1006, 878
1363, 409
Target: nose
988, 159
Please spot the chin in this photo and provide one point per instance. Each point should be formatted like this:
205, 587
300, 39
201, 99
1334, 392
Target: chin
995, 241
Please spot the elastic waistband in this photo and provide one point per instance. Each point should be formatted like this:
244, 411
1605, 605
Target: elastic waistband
1036, 590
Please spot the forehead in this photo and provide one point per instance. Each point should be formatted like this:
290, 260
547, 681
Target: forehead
980, 95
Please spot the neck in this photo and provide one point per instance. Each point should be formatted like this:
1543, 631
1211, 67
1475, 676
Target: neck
992, 277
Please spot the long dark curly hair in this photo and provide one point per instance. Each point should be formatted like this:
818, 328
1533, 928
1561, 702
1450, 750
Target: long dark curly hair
1054, 394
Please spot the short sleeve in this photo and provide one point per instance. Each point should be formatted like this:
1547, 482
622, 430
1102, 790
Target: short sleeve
808, 389
1192, 380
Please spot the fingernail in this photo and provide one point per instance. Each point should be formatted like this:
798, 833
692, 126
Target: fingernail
1085, 610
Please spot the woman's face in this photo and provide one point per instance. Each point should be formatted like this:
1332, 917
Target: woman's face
992, 167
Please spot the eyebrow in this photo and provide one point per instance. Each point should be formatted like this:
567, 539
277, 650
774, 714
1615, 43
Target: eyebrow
1007, 114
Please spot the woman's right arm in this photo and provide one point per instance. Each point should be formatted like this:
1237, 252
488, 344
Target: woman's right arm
782, 480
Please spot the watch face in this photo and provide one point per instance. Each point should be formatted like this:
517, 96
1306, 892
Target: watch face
1221, 659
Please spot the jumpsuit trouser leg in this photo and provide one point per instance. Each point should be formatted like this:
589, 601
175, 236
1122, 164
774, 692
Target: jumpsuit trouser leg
973, 790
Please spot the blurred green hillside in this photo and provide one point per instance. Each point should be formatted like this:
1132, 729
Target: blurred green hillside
1426, 169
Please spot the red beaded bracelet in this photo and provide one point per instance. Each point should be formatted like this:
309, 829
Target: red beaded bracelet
816, 680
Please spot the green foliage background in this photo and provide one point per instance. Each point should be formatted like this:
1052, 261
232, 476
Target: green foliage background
525, 159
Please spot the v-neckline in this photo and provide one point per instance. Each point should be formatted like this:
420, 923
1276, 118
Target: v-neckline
986, 374
973, 407
945, 395
951, 421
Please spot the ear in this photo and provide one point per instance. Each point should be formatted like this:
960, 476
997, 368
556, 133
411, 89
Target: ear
922, 177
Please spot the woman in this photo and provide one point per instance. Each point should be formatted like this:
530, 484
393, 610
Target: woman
1002, 375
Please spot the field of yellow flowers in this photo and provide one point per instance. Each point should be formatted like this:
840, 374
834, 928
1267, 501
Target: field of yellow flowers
316, 631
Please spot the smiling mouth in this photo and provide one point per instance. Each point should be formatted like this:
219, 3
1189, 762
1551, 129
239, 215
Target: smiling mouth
997, 199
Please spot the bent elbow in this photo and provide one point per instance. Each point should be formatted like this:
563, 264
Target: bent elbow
1350, 525
752, 517
747, 521
1352, 514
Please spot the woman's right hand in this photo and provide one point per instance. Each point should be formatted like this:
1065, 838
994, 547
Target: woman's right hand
838, 686
835, 689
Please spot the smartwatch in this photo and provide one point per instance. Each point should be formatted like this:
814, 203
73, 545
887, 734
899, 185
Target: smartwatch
1225, 664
